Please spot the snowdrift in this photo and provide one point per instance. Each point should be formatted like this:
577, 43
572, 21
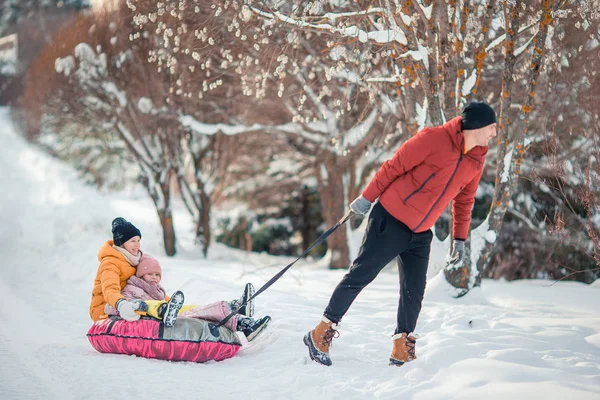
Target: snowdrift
188, 340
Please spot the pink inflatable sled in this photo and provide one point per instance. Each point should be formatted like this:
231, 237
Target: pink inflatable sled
189, 339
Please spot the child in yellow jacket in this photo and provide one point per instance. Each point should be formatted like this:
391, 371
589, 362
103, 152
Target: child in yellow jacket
118, 261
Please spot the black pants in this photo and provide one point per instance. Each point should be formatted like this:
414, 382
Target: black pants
387, 238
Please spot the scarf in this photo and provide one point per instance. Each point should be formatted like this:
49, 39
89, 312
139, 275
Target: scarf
131, 259
155, 292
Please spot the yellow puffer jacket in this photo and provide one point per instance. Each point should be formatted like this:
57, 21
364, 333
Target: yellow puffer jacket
113, 272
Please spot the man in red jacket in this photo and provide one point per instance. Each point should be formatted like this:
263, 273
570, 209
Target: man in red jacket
437, 165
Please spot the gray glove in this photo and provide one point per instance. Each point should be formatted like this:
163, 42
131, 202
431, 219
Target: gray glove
140, 305
360, 205
127, 310
455, 255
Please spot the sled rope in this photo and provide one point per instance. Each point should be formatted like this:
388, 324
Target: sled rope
276, 277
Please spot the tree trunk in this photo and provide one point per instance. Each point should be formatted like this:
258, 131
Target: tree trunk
305, 217
198, 204
203, 223
509, 165
161, 197
166, 222
467, 276
331, 192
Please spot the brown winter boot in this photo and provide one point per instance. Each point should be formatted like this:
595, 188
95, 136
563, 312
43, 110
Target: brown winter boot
404, 349
319, 340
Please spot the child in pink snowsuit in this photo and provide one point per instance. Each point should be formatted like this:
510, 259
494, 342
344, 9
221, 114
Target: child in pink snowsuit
144, 289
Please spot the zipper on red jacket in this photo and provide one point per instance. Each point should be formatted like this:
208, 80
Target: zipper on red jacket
419, 188
478, 161
441, 194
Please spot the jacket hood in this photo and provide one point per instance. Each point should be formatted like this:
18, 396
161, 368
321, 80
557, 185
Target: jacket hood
454, 130
107, 250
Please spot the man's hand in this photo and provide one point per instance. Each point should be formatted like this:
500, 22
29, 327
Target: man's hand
127, 310
455, 255
360, 205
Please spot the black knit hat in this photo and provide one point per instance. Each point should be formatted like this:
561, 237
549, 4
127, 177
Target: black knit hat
477, 114
123, 230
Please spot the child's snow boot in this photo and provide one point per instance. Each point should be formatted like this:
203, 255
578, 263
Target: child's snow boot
169, 311
319, 341
248, 308
251, 328
404, 349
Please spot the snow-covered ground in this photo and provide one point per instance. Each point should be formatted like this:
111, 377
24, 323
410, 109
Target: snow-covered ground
520, 340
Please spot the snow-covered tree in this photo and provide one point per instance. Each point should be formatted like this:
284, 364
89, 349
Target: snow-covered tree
34, 24
559, 190
305, 87
518, 130
442, 54
276, 182
92, 93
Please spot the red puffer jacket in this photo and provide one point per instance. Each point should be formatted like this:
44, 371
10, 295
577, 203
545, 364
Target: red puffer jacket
427, 172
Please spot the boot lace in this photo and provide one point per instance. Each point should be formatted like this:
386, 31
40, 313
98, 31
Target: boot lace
329, 335
411, 342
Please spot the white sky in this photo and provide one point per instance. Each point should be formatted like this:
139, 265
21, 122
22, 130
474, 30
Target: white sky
97, 3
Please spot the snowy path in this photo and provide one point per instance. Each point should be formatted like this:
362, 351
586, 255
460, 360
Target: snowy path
521, 340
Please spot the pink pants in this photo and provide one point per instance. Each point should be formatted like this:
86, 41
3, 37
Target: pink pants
214, 312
